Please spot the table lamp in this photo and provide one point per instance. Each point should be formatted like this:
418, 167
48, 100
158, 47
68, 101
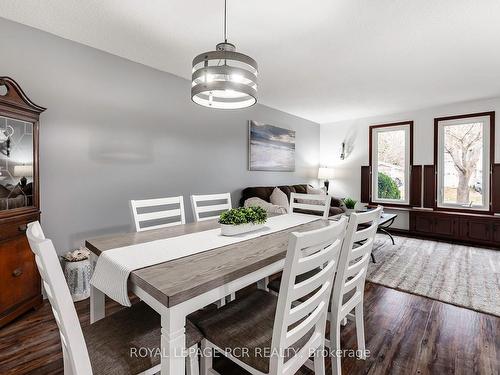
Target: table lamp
325, 174
23, 171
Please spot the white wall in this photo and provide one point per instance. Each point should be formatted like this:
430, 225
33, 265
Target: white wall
355, 133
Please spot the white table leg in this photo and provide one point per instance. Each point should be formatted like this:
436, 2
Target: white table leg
97, 307
97, 299
173, 342
262, 284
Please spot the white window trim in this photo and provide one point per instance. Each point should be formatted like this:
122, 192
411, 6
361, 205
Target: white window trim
375, 133
486, 163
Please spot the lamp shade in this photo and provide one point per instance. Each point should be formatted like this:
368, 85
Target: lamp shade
224, 79
23, 170
325, 173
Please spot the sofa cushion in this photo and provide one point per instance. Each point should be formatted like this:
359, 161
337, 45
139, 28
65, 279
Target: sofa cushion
262, 192
301, 189
336, 211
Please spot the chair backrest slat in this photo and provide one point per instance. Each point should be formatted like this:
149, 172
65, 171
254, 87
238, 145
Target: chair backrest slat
60, 299
307, 320
303, 288
201, 205
141, 218
311, 202
303, 309
358, 252
354, 259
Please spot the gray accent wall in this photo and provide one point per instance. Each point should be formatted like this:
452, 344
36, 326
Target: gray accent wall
116, 130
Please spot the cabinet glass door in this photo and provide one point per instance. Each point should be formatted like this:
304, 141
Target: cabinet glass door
16, 164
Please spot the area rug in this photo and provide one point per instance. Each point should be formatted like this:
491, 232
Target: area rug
461, 275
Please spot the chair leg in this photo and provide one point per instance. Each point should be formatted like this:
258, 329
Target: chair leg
68, 370
192, 366
360, 329
220, 302
319, 361
231, 297
206, 358
335, 346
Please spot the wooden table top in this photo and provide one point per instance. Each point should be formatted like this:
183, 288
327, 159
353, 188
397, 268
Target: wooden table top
180, 279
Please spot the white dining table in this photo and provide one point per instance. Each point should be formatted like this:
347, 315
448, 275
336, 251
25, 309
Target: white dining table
181, 286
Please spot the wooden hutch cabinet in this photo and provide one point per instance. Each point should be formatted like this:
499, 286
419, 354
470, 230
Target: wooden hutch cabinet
20, 288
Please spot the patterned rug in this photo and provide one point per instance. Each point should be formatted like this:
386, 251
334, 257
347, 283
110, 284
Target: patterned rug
461, 275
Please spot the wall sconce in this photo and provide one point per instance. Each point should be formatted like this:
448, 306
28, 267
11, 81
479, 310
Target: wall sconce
342, 155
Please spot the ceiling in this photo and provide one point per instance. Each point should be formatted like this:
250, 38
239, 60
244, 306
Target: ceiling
324, 60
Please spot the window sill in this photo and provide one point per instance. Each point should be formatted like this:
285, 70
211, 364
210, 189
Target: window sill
439, 210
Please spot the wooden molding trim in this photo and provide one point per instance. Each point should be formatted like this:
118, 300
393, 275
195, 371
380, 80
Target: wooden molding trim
429, 200
365, 184
437, 120
416, 186
370, 157
495, 188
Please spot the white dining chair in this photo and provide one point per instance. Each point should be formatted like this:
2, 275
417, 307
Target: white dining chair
314, 203
262, 323
204, 210
107, 346
147, 215
348, 290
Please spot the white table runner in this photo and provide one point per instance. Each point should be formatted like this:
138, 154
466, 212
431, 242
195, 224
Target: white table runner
114, 266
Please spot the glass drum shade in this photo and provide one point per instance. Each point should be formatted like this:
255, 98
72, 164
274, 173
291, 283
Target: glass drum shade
224, 79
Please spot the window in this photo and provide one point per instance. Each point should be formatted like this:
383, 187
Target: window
390, 161
463, 161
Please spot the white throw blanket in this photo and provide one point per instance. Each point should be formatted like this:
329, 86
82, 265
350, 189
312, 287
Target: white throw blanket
114, 266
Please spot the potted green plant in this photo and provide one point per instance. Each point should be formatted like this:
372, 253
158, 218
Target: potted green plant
241, 220
349, 204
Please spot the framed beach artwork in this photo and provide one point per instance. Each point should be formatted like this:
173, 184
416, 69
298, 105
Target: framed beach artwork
270, 148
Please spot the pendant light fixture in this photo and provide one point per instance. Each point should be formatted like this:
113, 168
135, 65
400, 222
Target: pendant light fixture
224, 78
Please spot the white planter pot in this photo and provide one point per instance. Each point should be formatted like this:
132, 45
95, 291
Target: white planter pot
349, 211
234, 230
78, 275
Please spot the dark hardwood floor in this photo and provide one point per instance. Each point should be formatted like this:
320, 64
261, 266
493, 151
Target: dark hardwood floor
406, 334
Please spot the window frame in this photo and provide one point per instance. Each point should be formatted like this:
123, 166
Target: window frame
487, 167
409, 162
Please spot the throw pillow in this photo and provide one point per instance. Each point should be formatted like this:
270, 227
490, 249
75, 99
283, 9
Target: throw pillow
317, 191
269, 207
279, 198
312, 191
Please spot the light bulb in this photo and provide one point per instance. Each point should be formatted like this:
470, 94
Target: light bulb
237, 78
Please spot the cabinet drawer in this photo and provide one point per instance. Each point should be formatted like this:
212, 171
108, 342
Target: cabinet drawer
496, 233
480, 230
19, 276
445, 226
12, 228
423, 223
